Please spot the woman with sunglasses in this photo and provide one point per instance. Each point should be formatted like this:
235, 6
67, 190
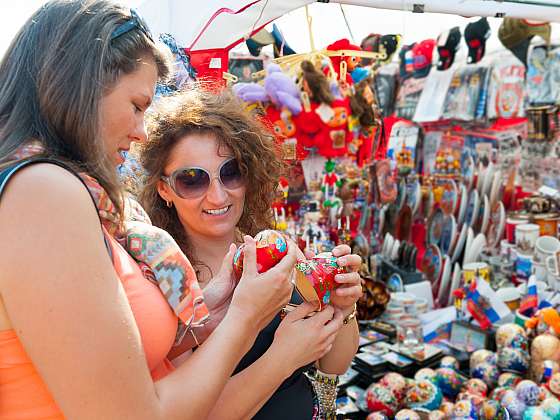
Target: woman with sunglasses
84, 332
211, 174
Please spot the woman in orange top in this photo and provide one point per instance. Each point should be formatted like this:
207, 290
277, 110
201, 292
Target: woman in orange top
84, 333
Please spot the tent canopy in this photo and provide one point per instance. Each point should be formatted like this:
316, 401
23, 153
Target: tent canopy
222, 24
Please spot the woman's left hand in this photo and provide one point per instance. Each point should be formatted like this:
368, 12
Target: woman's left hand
349, 290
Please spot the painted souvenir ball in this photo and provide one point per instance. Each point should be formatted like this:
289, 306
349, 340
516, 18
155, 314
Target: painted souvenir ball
508, 397
488, 410
380, 398
271, 248
487, 373
528, 393
449, 362
554, 384
545, 347
377, 416
465, 409
425, 374
436, 415
449, 381
396, 383
513, 405
424, 395
498, 393
477, 400
509, 379
476, 386
513, 360
535, 413
511, 335
551, 406
407, 415
482, 356
447, 408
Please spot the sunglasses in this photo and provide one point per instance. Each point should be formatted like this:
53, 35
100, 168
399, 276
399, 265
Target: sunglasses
193, 182
135, 22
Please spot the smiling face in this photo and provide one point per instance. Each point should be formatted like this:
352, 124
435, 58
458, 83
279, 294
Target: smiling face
122, 110
216, 213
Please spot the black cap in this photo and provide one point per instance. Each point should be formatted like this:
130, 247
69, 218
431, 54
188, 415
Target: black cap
476, 34
447, 45
390, 42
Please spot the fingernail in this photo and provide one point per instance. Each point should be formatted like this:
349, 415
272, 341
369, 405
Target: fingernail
342, 261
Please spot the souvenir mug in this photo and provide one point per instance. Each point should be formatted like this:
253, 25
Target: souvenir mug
545, 248
471, 270
526, 236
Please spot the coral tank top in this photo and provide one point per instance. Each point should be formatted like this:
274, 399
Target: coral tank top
24, 395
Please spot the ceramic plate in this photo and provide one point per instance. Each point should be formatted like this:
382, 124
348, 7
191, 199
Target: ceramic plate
496, 225
435, 226
468, 243
443, 292
395, 250
488, 179
413, 195
463, 201
387, 188
496, 190
485, 216
460, 243
431, 264
404, 223
395, 283
388, 245
476, 248
449, 197
468, 172
455, 282
481, 174
428, 203
448, 234
472, 208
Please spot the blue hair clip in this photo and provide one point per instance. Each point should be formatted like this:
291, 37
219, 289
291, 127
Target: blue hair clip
135, 22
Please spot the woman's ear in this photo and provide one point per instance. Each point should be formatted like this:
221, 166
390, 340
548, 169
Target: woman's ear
163, 191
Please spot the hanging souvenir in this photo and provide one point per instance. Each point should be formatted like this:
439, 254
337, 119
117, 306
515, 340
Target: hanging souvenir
343, 66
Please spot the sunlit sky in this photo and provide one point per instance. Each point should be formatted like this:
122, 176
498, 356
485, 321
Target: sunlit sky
328, 24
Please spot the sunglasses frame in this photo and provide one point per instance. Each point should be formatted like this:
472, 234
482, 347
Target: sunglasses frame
171, 179
135, 22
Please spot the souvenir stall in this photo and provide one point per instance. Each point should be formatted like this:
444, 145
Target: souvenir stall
443, 175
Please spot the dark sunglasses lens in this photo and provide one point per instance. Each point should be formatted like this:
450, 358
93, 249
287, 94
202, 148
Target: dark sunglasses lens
192, 182
230, 175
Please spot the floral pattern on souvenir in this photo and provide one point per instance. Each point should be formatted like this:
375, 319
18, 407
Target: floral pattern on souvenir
511, 335
513, 360
481, 356
431, 263
449, 197
514, 407
449, 362
487, 373
407, 414
508, 379
435, 226
551, 406
425, 374
396, 383
465, 409
498, 393
449, 381
489, 410
436, 415
424, 395
476, 386
528, 393
535, 413
377, 416
380, 398
271, 248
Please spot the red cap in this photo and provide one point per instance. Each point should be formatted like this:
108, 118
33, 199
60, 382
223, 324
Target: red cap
422, 52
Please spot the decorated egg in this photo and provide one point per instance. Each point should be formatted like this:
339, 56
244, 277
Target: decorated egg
436, 415
486, 372
482, 356
488, 410
396, 383
554, 384
425, 374
551, 407
380, 398
315, 278
424, 395
511, 335
509, 379
535, 413
449, 381
513, 360
449, 362
528, 393
407, 415
465, 409
377, 416
476, 386
271, 248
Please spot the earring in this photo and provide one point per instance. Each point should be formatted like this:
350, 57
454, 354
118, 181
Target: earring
169, 204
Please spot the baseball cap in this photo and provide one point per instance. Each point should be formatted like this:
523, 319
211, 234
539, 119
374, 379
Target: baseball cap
516, 35
406, 63
370, 43
447, 45
422, 53
476, 34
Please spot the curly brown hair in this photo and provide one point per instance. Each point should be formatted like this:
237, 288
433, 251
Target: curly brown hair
200, 111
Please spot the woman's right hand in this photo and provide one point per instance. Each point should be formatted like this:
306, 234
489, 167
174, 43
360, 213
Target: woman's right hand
261, 296
299, 341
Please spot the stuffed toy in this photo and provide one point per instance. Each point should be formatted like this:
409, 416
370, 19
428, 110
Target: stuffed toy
350, 62
250, 92
335, 133
281, 89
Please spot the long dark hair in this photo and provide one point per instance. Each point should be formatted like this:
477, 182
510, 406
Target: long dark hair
54, 74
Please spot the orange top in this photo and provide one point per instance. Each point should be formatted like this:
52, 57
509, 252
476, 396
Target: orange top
24, 395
